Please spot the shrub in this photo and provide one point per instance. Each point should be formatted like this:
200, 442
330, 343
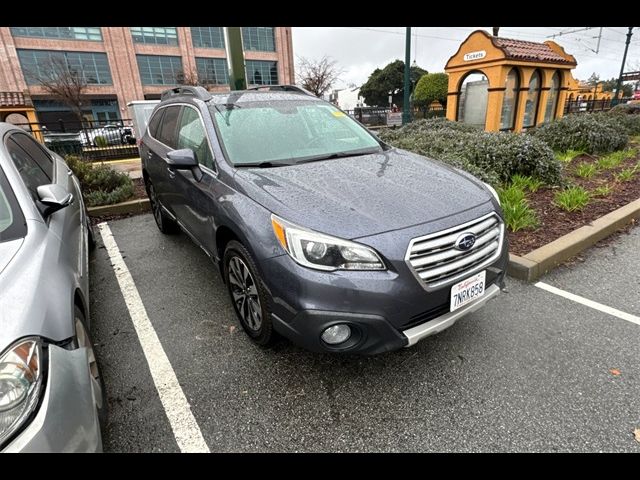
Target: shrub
572, 199
432, 87
590, 132
492, 157
100, 141
625, 109
530, 183
100, 184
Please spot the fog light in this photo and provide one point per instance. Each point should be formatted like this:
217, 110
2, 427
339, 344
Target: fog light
336, 334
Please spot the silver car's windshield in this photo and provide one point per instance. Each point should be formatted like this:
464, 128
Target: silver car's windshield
12, 223
289, 132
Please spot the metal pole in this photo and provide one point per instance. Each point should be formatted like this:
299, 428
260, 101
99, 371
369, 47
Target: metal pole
235, 58
624, 59
406, 108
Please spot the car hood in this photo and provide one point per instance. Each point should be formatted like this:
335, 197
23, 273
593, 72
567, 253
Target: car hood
354, 197
8, 251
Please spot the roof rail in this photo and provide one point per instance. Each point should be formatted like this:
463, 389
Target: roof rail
198, 92
282, 88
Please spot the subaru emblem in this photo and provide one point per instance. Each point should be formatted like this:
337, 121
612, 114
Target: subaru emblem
465, 241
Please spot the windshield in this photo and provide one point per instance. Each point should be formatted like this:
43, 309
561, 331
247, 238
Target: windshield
289, 132
12, 224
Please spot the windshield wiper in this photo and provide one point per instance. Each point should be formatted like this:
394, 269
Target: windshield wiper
265, 164
331, 156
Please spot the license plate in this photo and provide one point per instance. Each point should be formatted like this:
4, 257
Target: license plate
468, 290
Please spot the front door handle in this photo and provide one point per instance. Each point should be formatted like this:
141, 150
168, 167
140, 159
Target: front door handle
149, 155
172, 172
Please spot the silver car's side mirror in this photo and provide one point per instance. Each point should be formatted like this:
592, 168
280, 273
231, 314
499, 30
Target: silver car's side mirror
53, 198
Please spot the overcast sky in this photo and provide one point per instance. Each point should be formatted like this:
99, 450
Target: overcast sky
359, 50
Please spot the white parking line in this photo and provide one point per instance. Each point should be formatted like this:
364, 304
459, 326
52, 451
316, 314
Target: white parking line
590, 303
183, 423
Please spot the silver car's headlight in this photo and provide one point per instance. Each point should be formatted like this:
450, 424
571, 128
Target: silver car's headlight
493, 191
324, 252
20, 384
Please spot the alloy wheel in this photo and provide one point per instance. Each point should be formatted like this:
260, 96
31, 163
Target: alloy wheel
245, 293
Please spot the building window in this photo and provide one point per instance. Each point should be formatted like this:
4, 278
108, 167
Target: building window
259, 38
45, 64
531, 107
155, 35
159, 70
552, 98
212, 71
260, 72
510, 101
72, 33
207, 37
472, 101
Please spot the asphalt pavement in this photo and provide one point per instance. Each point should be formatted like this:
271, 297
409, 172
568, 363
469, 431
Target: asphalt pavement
531, 371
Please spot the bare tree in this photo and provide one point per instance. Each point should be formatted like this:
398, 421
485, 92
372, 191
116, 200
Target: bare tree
188, 77
64, 83
317, 76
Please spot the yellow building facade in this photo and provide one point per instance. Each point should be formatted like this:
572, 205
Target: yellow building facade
585, 91
503, 84
16, 108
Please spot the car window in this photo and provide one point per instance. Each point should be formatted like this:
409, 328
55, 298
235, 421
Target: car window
289, 131
36, 152
155, 122
167, 130
191, 134
31, 172
12, 224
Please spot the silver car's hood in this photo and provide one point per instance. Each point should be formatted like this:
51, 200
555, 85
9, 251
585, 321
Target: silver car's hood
8, 250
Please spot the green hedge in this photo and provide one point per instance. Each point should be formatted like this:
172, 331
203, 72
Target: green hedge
594, 133
492, 157
100, 184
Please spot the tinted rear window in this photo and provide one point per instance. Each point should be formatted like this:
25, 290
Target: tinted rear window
167, 130
154, 122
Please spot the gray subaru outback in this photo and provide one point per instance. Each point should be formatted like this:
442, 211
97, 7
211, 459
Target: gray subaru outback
322, 233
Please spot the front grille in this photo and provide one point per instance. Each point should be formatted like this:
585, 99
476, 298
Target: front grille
436, 262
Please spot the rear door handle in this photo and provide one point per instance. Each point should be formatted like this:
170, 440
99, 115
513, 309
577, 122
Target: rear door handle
172, 172
149, 155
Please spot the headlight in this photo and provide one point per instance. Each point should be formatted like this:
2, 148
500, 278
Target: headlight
324, 252
493, 191
20, 385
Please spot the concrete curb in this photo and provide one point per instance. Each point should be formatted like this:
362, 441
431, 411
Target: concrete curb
140, 205
538, 262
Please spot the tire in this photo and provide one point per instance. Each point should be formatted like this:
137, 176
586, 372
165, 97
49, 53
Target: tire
83, 340
165, 224
248, 294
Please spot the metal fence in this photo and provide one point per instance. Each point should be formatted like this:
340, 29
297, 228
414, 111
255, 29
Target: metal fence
90, 140
584, 106
377, 116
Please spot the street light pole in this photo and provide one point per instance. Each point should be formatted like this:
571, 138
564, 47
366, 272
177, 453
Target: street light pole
624, 59
406, 112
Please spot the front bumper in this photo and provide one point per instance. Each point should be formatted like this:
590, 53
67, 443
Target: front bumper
387, 310
67, 420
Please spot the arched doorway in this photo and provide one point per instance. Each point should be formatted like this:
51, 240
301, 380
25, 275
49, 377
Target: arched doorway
472, 99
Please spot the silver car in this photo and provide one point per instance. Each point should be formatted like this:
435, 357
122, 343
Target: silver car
51, 393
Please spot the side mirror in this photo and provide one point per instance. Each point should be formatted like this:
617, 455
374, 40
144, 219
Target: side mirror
53, 197
185, 159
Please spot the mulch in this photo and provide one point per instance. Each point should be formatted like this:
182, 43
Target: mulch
555, 222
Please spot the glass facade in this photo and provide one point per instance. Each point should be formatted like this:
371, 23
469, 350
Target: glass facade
510, 101
260, 72
207, 37
261, 39
212, 71
552, 98
43, 64
72, 33
531, 107
155, 35
159, 69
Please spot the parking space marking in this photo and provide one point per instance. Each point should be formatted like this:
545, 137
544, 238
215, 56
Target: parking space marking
185, 428
589, 303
